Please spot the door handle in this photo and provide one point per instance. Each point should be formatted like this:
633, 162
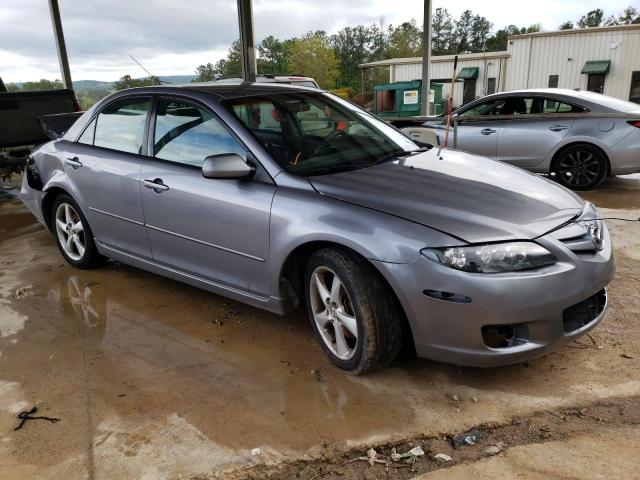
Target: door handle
557, 128
487, 131
73, 162
156, 185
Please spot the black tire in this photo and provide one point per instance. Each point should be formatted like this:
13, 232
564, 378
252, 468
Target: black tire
581, 167
90, 257
378, 315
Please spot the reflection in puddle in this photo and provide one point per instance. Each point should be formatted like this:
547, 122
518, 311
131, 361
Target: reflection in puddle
252, 379
81, 300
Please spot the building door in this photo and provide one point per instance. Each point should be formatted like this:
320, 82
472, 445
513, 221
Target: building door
469, 93
634, 92
596, 82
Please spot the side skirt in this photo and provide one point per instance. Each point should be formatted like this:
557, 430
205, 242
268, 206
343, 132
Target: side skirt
276, 305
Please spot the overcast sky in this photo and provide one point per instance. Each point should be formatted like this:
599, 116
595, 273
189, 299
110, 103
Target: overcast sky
174, 36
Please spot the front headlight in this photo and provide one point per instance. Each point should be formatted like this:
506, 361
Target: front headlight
492, 258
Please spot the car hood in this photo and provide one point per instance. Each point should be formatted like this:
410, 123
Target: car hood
472, 198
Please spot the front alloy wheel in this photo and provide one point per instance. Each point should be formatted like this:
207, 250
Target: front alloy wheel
333, 313
355, 316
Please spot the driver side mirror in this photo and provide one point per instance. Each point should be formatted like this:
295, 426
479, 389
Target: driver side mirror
226, 165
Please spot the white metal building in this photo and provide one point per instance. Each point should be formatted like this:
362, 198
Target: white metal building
602, 59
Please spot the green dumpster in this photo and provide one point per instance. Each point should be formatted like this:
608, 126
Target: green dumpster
403, 99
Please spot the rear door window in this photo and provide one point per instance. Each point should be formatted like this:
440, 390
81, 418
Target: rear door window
120, 126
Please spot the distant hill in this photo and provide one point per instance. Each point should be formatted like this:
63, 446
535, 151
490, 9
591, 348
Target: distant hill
102, 85
91, 84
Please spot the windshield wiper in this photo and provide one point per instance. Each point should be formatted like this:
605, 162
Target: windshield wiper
401, 153
331, 169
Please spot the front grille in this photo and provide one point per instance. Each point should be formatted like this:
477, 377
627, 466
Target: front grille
576, 237
585, 312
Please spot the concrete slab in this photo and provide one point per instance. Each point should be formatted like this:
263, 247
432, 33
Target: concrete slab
155, 379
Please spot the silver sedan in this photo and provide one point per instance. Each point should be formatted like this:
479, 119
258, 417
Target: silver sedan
280, 196
579, 137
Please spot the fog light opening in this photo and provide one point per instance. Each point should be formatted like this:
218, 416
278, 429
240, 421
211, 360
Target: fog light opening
447, 296
504, 336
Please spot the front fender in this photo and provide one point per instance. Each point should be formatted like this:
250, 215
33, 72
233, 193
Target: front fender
301, 217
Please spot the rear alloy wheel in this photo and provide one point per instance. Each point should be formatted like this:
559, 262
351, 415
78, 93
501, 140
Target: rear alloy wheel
353, 312
73, 234
581, 167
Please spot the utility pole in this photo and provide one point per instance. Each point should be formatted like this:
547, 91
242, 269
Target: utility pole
247, 41
62, 48
426, 57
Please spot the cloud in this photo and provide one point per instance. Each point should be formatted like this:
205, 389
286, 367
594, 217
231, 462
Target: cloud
174, 36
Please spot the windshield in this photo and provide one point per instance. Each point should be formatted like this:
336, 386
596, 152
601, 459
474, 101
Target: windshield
313, 133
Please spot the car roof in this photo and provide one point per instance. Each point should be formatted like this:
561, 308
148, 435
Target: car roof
539, 91
226, 90
269, 79
595, 102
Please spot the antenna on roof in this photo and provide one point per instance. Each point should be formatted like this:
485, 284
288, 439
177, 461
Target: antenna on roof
147, 71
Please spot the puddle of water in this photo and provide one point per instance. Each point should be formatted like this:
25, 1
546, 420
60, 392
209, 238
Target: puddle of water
145, 370
616, 192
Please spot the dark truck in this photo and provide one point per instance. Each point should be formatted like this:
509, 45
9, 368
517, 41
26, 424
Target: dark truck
20, 125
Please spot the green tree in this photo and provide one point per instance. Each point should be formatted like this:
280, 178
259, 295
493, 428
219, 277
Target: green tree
591, 19
127, 82
480, 31
273, 56
568, 25
205, 73
352, 46
629, 16
498, 42
43, 84
88, 97
463, 32
405, 40
441, 32
313, 56
231, 66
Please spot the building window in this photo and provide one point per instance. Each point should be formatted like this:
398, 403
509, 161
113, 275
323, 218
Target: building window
553, 81
491, 85
634, 92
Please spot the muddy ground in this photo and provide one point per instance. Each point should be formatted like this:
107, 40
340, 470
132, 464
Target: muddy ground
153, 379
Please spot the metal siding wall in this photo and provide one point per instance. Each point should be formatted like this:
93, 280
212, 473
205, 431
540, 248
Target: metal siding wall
550, 56
533, 59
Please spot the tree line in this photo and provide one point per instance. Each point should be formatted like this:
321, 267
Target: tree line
332, 60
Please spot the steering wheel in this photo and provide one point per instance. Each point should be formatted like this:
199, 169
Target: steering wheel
326, 141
